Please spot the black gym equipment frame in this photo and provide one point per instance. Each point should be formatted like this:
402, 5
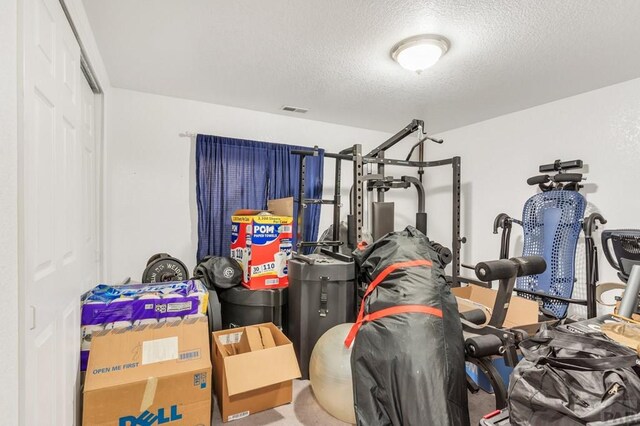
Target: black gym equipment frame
355, 219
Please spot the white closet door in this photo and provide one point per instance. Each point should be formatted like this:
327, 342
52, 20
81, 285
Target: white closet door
59, 206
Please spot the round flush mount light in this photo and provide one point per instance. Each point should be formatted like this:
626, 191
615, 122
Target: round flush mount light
420, 52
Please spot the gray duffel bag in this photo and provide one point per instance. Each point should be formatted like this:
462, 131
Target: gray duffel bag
572, 379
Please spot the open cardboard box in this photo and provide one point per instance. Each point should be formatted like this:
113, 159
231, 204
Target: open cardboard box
522, 313
253, 369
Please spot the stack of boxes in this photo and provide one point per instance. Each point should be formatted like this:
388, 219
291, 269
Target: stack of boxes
150, 361
107, 307
161, 372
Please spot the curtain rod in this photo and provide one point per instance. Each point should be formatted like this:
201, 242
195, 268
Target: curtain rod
187, 134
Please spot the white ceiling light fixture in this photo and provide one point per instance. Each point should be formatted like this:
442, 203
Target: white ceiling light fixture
420, 52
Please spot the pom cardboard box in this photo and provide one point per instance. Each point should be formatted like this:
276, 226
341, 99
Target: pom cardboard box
253, 369
150, 375
261, 243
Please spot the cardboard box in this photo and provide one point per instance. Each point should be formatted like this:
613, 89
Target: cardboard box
253, 369
262, 244
622, 330
106, 307
522, 313
281, 206
150, 374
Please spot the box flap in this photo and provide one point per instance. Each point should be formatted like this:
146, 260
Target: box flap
123, 356
250, 341
463, 292
281, 206
267, 338
248, 212
521, 311
255, 370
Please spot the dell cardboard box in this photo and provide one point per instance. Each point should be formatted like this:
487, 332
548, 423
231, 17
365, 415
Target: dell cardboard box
253, 367
150, 375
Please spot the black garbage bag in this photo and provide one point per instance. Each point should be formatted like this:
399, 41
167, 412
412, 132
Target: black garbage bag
408, 367
572, 379
218, 273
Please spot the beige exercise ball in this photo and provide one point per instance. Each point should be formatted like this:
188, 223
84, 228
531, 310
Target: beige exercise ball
330, 374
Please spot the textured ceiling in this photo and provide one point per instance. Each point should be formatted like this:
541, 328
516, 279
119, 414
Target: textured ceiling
332, 56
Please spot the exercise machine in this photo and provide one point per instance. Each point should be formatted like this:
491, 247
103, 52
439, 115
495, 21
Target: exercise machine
622, 250
383, 212
380, 183
483, 342
552, 221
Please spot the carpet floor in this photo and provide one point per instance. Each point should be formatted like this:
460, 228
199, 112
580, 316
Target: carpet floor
304, 410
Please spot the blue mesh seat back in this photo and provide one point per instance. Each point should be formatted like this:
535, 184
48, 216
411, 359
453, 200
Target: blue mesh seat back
552, 222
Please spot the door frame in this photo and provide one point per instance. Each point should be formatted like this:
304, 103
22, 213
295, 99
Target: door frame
74, 12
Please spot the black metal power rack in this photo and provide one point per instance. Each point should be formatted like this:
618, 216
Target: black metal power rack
355, 217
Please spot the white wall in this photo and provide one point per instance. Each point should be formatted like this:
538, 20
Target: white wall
151, 172
9, 364
151, 188
601, 127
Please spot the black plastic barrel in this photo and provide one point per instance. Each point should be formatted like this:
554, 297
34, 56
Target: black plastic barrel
242, 307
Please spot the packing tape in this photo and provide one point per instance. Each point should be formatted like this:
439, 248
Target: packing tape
149, 393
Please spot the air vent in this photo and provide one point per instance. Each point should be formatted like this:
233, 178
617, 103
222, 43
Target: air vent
294, 109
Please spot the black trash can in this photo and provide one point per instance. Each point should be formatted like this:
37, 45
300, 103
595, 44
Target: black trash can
321, 296
242, 307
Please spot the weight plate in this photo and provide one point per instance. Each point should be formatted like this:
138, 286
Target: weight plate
157, 256
165, 269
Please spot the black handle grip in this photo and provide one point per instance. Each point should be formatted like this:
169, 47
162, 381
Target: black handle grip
568, 177
501, 221
606, 236
496, 270
561, 165
444, 253
530, 265
474, 316
506, 268
537, 180
481, 346
590, 223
